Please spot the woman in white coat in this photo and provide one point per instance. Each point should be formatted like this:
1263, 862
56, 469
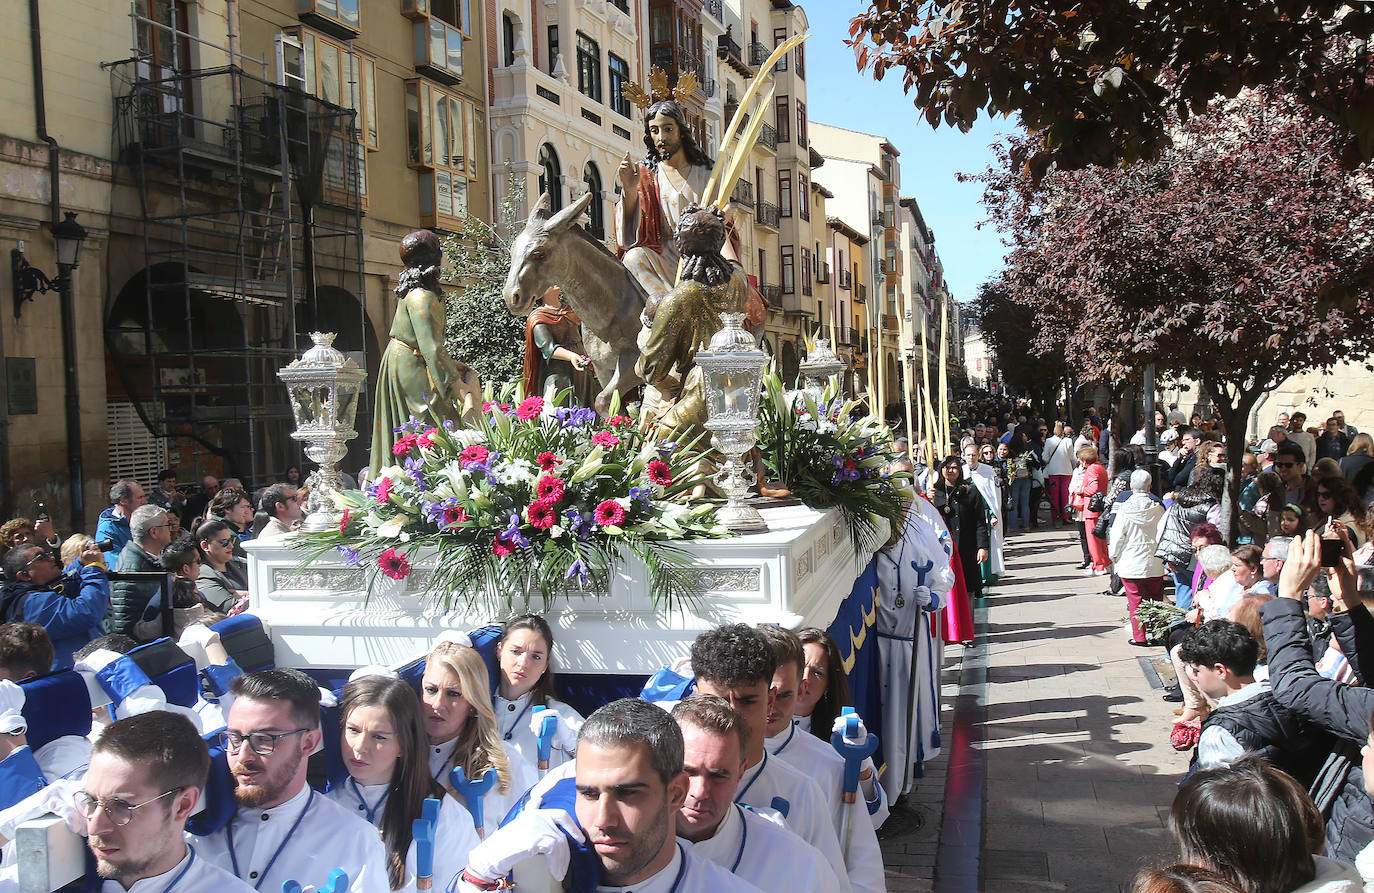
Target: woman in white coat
1131, 543
1059, 461
383, 746
984, 478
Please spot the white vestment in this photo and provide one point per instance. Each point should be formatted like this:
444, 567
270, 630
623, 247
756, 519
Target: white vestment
686, 873
807, 813
454, 835
656, 271
191, 873
495, 802
303, 839
766, 854
513, 718
819, 762
914, 579
985, 479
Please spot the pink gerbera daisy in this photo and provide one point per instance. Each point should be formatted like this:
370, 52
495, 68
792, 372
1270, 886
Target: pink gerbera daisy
659, 473
426, 440
546, 460
605, 438
541, 515
454, 514
394, 564
549, 488
619, 421
610, 514
529, 408
476, 453
383, 490
500, 549
403, 446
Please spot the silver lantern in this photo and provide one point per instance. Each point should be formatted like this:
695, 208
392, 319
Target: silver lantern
732, 375
820, 363
323, 386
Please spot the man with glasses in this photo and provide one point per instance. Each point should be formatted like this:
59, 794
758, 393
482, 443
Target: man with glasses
70, 604
145, 777
135, 607
1290, 464
1271, 563
283, 830
282, 504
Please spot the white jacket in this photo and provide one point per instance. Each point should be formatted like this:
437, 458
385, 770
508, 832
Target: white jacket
1059, 456
1332, 877
1133, 538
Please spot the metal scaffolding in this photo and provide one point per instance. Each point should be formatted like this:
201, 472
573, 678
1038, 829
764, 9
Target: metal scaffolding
250, 197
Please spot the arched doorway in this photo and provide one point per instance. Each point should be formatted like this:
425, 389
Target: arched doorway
551, 177
791, 364
596, 212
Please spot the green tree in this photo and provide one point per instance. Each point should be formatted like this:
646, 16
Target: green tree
480, 331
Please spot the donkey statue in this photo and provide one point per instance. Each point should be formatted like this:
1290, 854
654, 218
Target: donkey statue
555, 250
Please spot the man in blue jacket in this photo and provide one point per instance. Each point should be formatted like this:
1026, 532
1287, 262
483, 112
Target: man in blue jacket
70, 604
125, 496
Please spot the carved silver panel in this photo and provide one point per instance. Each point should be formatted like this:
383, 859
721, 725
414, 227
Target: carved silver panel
730, 579
803, 565
336, 579
836, 532
822, 548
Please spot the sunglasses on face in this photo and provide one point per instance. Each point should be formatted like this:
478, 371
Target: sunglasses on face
1284, 464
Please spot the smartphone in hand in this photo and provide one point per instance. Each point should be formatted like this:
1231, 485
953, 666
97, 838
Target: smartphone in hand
1332, 552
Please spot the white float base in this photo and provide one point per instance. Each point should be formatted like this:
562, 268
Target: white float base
795, 574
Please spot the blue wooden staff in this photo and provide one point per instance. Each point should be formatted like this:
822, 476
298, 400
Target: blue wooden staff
423, 832
337, 883
854, 756
548, 724
473, 792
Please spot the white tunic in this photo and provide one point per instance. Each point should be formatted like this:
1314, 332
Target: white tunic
309, 836
495, 804
985, 479
513, 717
454, 836
907, 627
818, 761
190, 875
766, 854
808, 813
658, 272
64, 757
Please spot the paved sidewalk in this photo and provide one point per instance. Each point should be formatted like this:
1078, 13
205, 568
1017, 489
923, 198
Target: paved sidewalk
1056, 772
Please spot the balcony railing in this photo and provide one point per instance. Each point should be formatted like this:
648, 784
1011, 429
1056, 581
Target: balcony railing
716, 8
822, 273
771, 293
768, 137
728, 50
758, 53
862, 293
708, 88
878, 218
743, 194
806, 287
844, 279
731, 106
767, 214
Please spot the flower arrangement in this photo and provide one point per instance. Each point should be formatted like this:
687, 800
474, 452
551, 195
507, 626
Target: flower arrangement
533, 495
828, 457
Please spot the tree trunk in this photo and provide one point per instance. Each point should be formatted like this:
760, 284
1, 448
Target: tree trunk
1235, 418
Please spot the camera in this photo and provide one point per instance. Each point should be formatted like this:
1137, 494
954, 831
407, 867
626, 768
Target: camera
104, 545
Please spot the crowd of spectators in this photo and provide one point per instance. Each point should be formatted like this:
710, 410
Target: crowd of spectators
158, 558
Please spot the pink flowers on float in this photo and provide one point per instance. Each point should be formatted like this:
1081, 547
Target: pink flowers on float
383, 490
529, 408
549, 488
610, 514
541, 514
659, 473
605, 439
393, 564
475, 454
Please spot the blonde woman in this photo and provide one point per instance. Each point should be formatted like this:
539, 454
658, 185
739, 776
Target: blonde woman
1058, 458
462, 729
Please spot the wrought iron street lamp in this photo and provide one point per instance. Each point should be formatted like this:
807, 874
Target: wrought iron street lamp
28, 280
323, 386
732, 374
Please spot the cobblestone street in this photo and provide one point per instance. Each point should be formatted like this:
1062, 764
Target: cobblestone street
1056, 772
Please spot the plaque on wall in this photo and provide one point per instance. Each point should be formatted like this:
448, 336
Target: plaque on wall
22, 382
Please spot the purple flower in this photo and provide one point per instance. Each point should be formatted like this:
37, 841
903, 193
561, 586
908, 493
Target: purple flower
666, 447
350, 556
837, 460
415, 471
411, 424
641, 494
577, 567
574, 416
434, 511
835, 478
511, 535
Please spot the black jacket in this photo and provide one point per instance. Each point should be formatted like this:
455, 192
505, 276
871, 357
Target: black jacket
966, 515
1182, 471
129, 599
1341, 709
1275, 734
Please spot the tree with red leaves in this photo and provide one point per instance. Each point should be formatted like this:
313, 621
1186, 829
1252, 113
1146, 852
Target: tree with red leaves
1240, 257
1104, 80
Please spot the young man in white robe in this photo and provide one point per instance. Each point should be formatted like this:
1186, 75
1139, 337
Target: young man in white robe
283, 830
735, 662
754, 847
144, 780
820, 762
629, 787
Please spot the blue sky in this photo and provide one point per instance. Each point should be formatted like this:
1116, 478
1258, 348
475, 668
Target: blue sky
837, 94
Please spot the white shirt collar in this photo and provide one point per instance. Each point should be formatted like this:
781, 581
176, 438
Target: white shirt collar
159, 883
660, 882
723, 844
779, 742
1244, 693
